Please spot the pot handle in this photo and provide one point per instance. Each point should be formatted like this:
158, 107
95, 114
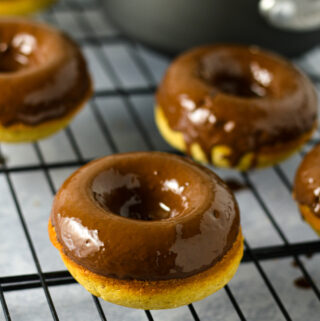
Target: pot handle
295, 15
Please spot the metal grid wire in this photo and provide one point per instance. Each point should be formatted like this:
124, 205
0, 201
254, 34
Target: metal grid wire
117, 119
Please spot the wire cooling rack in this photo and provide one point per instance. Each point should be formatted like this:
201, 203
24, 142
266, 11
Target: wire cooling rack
279, 277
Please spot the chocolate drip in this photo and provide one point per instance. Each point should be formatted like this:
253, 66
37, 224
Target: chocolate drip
146, 216
295, 264
3, 159
237, 96
302, 283
235, 185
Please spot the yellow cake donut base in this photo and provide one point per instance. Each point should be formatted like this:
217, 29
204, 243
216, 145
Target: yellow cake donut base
153, 295
310, 218
266, 157
21, 7
21, 133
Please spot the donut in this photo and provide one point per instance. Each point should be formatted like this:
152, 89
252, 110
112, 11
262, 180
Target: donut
235, 106
147, 230
21, 7
43, 79
307, 188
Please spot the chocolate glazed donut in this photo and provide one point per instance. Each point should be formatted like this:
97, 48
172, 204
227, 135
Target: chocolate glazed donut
146, 221
235, 106
43, 78
307, 188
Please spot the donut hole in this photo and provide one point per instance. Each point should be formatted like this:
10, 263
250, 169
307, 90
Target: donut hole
23, 47
243, 74
17, 53
238, 86
137, 190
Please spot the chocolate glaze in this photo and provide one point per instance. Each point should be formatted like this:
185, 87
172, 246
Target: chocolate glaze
237, 96
307, 181
43, 75
145, 216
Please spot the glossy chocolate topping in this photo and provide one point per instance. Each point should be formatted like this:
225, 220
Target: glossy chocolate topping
146, 216
237, 96
307, 181
43, 74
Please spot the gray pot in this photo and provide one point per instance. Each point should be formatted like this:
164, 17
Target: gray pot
176, 25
